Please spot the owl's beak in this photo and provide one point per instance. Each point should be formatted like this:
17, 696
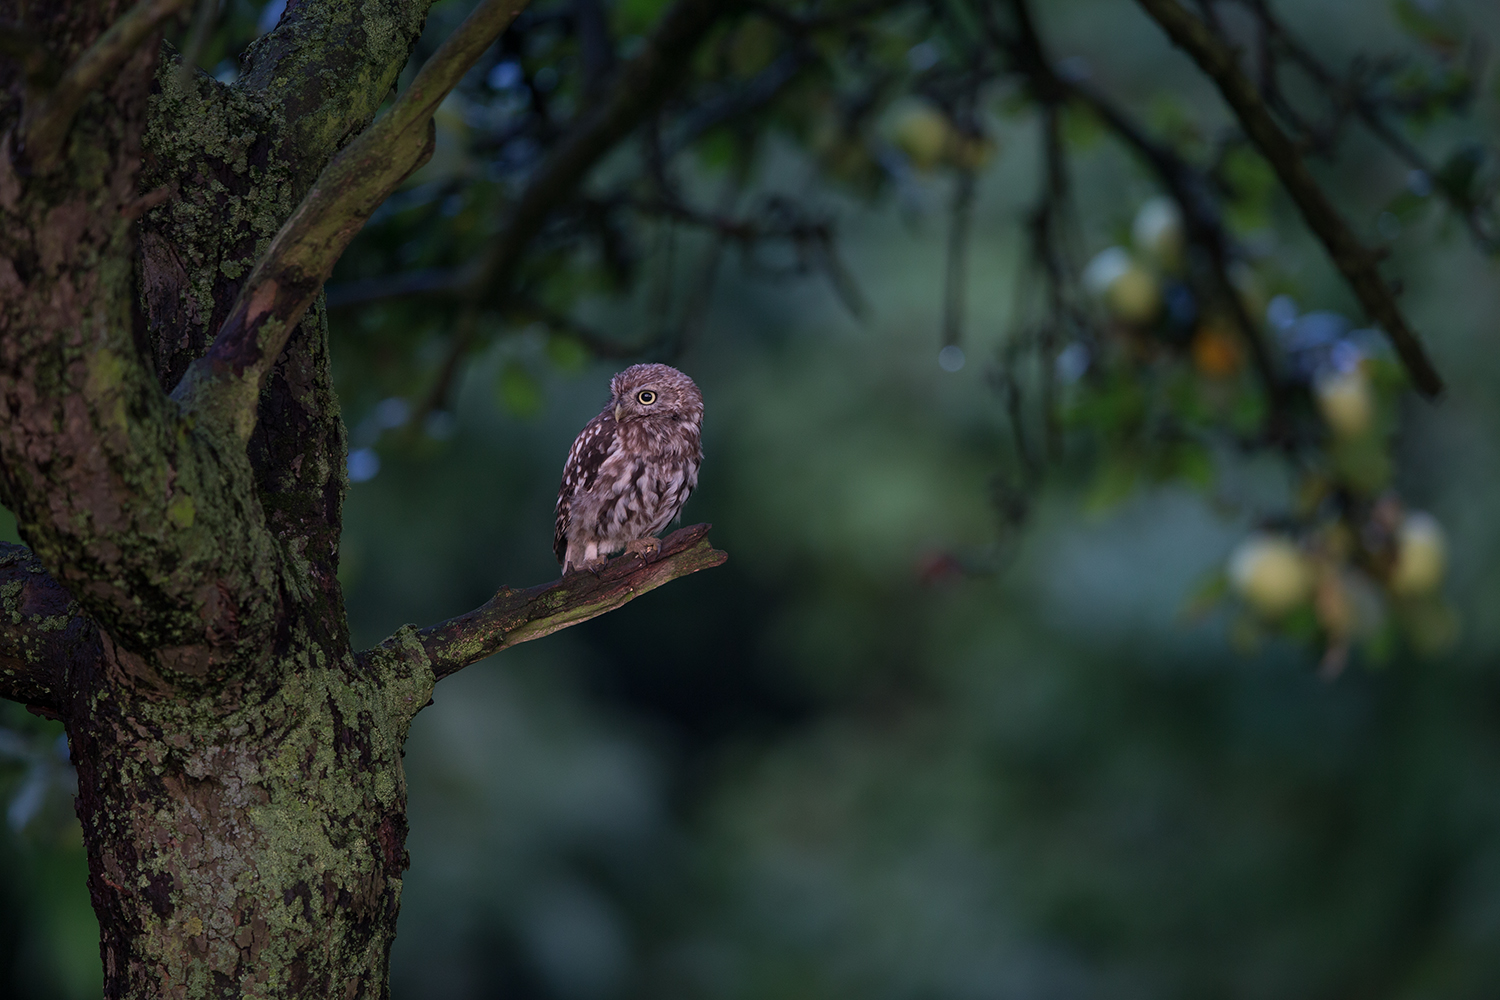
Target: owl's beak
617, 411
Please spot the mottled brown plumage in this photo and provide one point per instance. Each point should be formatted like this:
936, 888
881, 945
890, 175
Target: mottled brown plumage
631, 468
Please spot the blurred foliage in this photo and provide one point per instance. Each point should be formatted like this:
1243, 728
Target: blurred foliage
1061, 652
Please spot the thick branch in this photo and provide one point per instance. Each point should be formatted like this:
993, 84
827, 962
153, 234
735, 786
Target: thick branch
45, 638
46, 126
224, 386
1354, 261
146, 521
516, 616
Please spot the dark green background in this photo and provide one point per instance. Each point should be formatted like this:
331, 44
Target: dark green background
820, 772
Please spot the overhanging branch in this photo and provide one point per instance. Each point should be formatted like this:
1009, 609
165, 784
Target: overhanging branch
516, 616
45, 638
46, 125
1357, 263
223, 387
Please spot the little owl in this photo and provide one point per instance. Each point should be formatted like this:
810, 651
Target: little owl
631, 469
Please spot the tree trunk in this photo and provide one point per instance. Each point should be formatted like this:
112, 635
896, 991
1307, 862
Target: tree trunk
252, 846
240, 779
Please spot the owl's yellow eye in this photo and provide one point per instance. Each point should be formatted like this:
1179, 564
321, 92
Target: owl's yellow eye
645, 397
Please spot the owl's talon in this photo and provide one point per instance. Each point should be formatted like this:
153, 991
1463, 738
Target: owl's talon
647, 548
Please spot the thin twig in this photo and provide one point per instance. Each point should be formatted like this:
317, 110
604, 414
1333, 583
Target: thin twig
643, 84
1357, 263
961, 218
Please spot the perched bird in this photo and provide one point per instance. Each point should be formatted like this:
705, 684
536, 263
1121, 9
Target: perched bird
631, 469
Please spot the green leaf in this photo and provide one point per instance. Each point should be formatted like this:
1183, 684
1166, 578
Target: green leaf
1114, 482
1207, 595
518, 390
1252, 184
1434, 24
566, 352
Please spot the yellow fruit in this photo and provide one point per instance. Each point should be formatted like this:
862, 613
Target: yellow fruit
1347, 402
1158, 233
1135, 296
1131, 291
1216, 349
922, 133
1271, 573
1421, 556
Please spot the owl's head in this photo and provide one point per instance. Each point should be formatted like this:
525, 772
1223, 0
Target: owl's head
644, 392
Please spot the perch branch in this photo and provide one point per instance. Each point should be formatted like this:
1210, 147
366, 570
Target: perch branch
224, 385
516, 616
1357, 263
45, 638
46, 128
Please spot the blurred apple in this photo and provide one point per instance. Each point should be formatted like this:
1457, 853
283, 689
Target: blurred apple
1421, 556
1158, 233
1347, 402
922, 132
1270, 573
1130, 291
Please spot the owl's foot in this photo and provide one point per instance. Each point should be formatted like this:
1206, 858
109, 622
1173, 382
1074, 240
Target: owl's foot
646, 548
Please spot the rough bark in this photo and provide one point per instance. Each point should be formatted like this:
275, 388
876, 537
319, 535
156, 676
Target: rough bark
241, 790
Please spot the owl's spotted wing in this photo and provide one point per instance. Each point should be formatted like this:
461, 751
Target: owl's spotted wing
594, 444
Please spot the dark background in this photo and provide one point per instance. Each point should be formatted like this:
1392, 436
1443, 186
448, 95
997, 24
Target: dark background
900, 745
